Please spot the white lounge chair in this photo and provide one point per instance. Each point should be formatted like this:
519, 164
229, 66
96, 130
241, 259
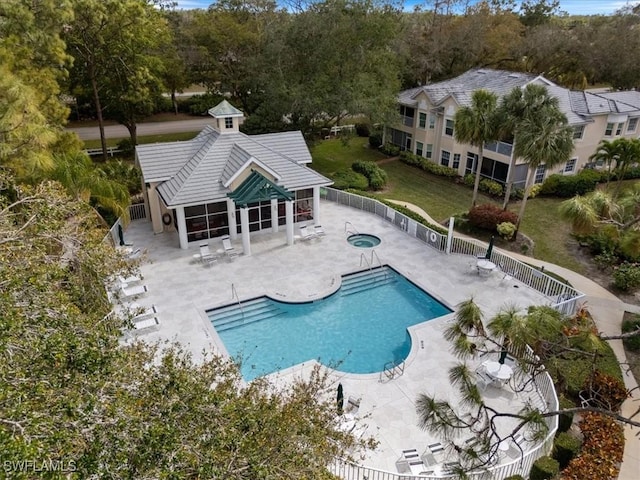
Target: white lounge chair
139, 312
133, 291
229, 250
318, 230
146, 323
130, 279
305, 234
353, 405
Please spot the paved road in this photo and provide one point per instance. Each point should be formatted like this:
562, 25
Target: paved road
153, 128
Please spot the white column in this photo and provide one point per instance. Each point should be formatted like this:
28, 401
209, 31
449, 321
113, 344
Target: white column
274, 215
182, 228
289, 217
316, 205
244, 226
231, 216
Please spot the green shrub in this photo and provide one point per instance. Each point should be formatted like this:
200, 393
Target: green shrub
565, 447
349, 179
627, 276
570, 185
506, 230
489, 216
469, 179
427, 165
376, 176
390, 149
565, 420
515, 477
200, 104
491, 187
375, 140
126, 147
544, 468
535, 189
362, 129
631, 325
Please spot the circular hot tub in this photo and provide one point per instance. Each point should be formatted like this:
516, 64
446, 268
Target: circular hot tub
364, 240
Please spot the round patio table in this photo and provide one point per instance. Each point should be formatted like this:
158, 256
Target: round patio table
499, 370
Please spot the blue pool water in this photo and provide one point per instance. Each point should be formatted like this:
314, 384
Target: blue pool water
358, 329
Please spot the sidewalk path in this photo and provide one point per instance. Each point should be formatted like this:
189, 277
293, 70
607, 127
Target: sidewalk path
607, 311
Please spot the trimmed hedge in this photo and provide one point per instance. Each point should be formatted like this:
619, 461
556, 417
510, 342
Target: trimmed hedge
375, 140
427, 165
627, 276
567, 186
544, 468
376, 176
565, 420
389, 149
349, 179
515, 477
565, 448
489, 216
362, 129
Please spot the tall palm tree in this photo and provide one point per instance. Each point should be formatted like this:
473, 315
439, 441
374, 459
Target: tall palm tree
624, 152
477, 124
517, 106
608, 154
546, 139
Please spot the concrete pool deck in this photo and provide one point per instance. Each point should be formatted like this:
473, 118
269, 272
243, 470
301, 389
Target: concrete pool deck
182, 290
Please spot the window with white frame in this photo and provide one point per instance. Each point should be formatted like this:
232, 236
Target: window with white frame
444, 158
456, 161
228, 122
448, 127
619, 129
423, 120
609, 130
540, 171
632, 125
578, 132
419, 148
570, 166
432, 121
428, 152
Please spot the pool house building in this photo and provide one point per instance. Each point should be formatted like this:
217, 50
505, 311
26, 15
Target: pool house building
224, 182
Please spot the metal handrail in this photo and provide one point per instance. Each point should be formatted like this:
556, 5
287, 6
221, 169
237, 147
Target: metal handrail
374, 254
362, 257
234, 294
353, 229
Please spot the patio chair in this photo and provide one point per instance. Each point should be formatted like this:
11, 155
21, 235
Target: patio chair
139, 312
305, 234
318, 230
133, 291
206, 256
229, 250
146, 323
129, 280
353, 405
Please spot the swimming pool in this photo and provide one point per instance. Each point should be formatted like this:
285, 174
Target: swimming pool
356, 330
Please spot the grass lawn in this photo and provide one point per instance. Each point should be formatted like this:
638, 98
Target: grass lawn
441, 198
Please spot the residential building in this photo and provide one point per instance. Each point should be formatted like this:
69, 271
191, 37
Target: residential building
224, 182
427, 123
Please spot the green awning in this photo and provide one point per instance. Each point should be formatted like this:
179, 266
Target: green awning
258, 188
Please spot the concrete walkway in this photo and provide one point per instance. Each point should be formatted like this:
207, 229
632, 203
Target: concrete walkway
607, 311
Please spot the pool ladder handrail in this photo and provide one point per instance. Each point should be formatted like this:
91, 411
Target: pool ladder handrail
362, 257
392, 369
352, 231
234, 294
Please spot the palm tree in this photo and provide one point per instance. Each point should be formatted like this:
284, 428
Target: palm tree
616, 216
608, 154
84, 181
477, 125
543, 140
516, 107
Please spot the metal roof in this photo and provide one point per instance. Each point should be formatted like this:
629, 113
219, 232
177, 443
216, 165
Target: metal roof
224, 109
194, 172
258, 188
